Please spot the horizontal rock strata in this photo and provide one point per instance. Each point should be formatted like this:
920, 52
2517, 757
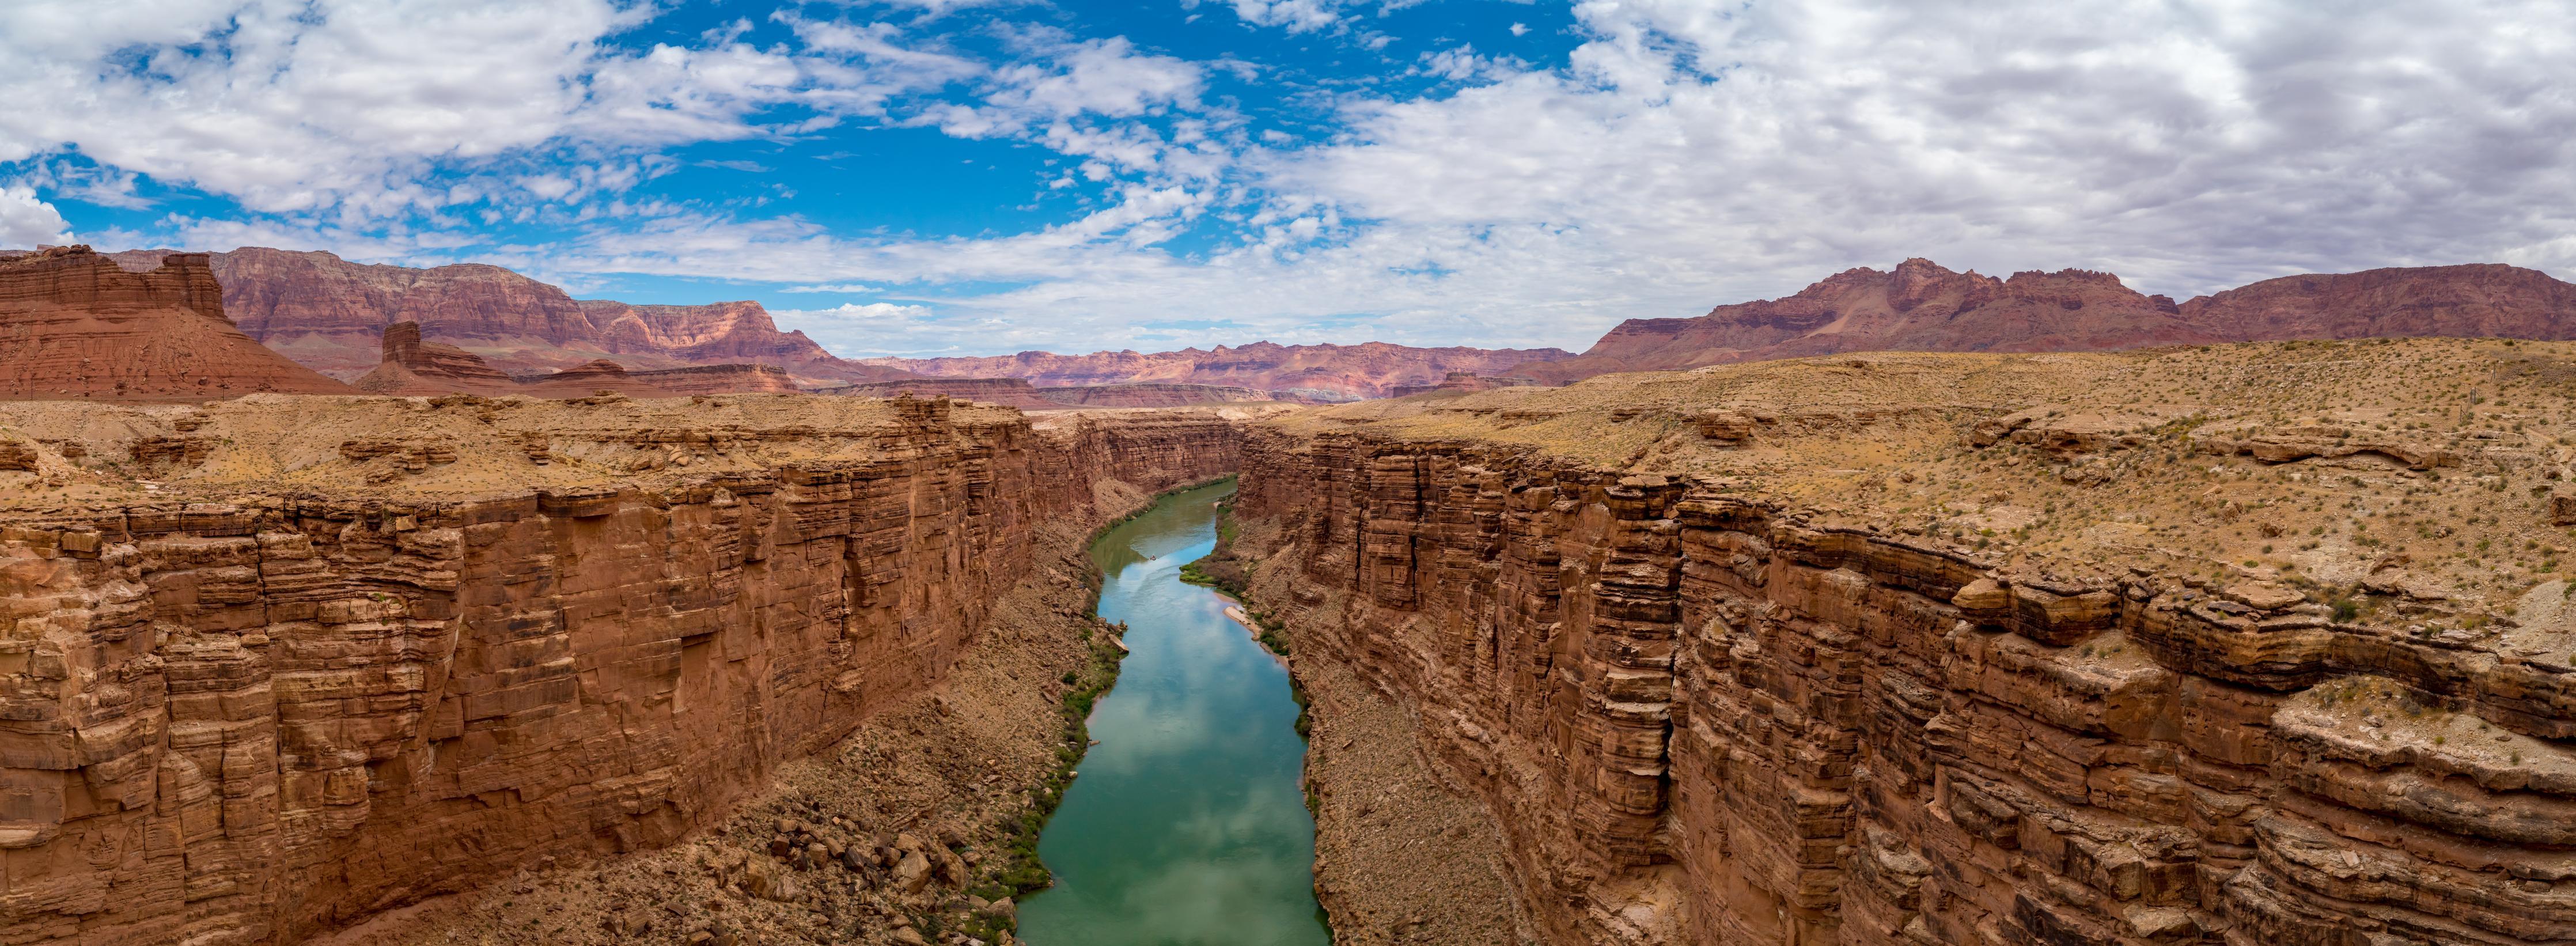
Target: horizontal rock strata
1701, 716
74, 325
236, 715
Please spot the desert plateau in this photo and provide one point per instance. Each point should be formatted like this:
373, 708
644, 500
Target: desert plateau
1287, 473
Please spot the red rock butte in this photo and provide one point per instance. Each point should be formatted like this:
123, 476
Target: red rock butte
328, 313
73, 324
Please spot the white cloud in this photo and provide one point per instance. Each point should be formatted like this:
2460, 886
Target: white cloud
348, 105
1689, 155
1298, 16
26, 222
1067, 79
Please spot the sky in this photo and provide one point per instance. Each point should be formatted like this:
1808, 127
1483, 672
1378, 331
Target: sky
971, 177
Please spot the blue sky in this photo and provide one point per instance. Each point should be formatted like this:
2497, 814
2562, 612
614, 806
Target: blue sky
961, 177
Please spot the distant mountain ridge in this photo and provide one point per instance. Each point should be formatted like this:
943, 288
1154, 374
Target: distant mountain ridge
1323, 372
328, 314
1922, 306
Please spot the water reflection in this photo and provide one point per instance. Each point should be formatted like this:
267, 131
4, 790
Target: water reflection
1186, 826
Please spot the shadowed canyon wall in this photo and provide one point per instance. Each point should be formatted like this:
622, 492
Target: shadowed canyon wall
1699, 716
242, 716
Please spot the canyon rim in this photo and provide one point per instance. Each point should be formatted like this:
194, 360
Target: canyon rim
1287, 473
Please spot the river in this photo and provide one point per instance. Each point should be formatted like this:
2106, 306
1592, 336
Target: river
1186, 824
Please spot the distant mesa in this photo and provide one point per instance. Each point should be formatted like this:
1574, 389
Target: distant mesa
1921, 306
75, 324
327, 313
1313, 372
1016, 392
411, 366
1462, 382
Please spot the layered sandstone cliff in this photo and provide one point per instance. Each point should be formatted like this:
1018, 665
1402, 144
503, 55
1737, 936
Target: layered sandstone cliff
327, 313
1320, 372
73, 324
720, 379
2247, 645
412, 366
1921, 306
273, 665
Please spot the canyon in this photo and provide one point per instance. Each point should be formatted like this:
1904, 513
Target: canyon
2207, 642
1922, 306
2258, 644
276, 664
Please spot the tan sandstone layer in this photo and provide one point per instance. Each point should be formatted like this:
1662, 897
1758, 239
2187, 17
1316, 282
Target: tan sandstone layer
2261, 644
276, 664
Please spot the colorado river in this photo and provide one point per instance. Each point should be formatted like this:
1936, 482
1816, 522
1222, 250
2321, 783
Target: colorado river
1186, 824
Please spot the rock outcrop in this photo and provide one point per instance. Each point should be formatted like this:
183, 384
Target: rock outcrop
1155, 395
1019, 393
595, 376
1460, 382
1319, 372
73, 324
326, 313
1935, 649
339, 655
720, 379
1920, 306
1009, 392
412, 366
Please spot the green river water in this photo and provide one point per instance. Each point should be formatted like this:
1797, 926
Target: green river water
1186, 824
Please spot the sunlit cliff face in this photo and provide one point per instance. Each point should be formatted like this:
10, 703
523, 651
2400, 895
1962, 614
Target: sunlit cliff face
2223, 644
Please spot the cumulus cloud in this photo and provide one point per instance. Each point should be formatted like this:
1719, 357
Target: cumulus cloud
348, 105
26, 221
1686, 153
1297, 15
1065, 79
2188, 146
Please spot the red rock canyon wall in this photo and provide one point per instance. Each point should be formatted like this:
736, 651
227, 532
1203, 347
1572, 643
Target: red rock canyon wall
1698, 718
241, 722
